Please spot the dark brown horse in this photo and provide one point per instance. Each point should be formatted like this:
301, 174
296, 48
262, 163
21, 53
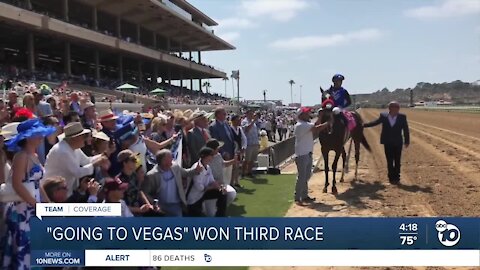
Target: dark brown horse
335, 139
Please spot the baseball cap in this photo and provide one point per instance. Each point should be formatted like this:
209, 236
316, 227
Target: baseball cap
303, 110
112, 184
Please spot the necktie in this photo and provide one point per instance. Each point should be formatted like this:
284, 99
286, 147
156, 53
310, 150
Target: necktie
205, 135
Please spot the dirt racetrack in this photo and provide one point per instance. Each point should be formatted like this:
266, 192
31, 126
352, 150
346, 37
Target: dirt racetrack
440, 175
440, 172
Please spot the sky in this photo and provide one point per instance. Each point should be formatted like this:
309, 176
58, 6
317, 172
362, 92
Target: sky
373, 43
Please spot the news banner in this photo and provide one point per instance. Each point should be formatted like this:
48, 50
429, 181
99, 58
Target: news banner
95, 235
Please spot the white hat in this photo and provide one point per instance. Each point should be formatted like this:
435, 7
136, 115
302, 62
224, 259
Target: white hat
9, 130
106, 115
198, 114
100, 135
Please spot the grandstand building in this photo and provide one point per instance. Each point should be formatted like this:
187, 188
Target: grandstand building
117, 40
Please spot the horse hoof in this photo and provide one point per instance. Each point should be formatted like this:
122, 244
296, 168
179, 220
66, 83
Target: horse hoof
341, 180
334, 191
325, 190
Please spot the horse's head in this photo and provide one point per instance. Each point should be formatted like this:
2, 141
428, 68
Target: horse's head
325, 114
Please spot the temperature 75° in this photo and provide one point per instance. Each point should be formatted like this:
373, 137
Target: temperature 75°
408, 239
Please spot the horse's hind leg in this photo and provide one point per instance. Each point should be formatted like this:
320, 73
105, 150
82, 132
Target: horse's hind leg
334, 168
357, 158
345, 165
325, 161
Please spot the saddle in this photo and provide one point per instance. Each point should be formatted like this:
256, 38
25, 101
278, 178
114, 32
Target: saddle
350, 118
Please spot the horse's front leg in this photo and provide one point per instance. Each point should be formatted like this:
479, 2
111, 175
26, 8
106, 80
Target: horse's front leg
325, 161
334, 168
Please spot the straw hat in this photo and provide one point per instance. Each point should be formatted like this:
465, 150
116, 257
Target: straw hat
100, 135
73, 130
107, 115
188, 113
177, 114
197, 114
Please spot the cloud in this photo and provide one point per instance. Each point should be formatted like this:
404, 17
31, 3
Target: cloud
313, 42
447, 9
235, 23
279, 10
229, 36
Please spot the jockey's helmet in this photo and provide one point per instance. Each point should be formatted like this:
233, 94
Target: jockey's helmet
338, 77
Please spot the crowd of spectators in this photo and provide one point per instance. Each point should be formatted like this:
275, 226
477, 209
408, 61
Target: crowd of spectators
174, 94
55, 147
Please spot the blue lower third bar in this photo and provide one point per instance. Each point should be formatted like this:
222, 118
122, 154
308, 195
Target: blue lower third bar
44, 258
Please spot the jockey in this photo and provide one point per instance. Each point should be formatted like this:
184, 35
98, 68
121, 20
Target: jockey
340, 95
341, 99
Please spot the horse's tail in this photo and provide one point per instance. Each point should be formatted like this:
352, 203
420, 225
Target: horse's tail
365, 144
363, 140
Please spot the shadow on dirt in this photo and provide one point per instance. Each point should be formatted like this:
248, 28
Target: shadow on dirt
361, 189
415, 188
324, 208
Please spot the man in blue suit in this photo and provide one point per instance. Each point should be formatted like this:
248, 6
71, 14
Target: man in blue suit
393, 125
222, 131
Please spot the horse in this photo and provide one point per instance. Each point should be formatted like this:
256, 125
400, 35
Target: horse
335, 139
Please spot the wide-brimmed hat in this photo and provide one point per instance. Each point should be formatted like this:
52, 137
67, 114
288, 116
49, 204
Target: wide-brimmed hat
29, 129
106, 115
9, 130
5, 132
187, 113
112, 184
86, 105
197, 114
100, 135
72, 130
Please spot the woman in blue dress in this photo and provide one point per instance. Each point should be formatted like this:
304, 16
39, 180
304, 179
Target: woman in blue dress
26, 168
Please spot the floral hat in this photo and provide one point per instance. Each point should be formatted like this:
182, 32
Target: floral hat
29, 129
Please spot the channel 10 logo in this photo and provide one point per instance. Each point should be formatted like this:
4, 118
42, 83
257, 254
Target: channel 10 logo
448, 234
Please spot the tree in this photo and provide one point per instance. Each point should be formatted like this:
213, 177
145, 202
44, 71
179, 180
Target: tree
225, 79
207, 86
291, 82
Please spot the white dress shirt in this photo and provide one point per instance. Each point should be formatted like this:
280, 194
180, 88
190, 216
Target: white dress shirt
392, 119
238, 130
70, 164
200, 184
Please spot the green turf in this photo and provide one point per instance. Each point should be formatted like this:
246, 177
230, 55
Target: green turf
265, 196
